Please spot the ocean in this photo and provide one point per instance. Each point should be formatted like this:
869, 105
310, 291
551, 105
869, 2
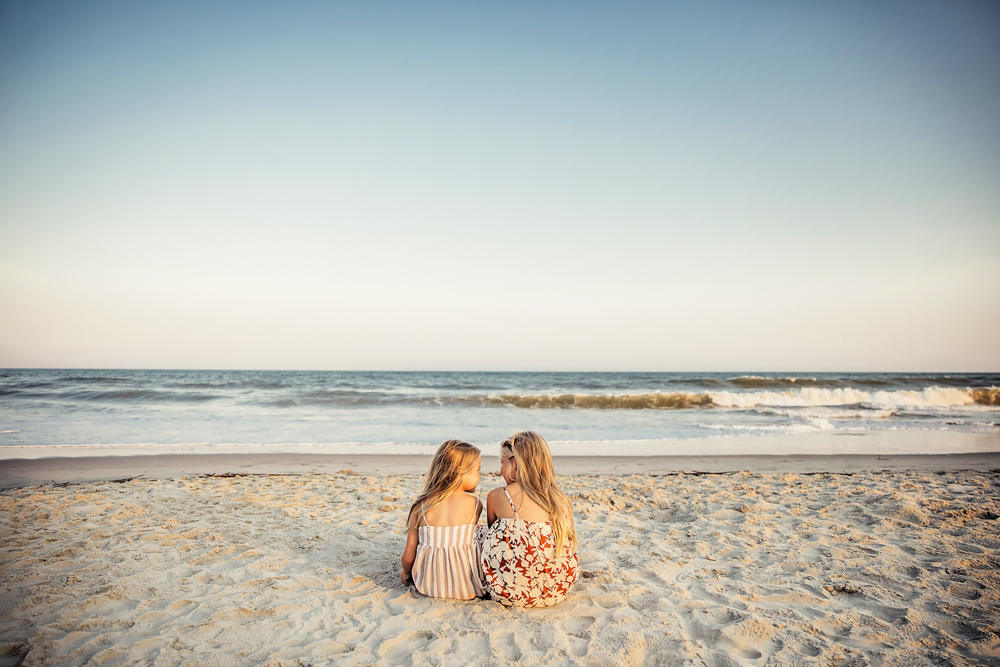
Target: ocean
114, 412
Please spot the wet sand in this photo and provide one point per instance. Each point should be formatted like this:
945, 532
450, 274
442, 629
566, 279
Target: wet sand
23, 472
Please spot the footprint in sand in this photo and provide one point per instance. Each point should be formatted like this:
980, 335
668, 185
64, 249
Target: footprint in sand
397, 650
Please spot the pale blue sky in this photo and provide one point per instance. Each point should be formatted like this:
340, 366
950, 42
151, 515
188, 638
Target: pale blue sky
514, 186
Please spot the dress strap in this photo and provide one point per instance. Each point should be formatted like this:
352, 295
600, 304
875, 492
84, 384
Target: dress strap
475, 514
510, 501
422, 513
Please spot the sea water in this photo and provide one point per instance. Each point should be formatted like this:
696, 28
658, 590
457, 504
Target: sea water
98, 412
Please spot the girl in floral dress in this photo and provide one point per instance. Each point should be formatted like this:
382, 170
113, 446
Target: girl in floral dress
529, 550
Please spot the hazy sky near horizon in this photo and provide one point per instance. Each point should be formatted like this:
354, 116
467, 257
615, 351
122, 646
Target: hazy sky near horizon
773, 186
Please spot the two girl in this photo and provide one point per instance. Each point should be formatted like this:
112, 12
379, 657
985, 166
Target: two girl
524, 557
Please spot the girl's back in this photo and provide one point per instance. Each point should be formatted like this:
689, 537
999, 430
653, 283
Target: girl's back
529, 554
454, 510
447, 563
527, 508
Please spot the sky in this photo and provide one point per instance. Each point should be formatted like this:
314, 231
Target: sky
565, 186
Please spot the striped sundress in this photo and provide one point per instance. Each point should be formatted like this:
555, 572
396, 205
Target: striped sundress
448, 560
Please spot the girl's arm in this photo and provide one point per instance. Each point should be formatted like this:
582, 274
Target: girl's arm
409, 551
491, 505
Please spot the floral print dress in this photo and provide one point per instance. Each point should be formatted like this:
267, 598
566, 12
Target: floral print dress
519, 564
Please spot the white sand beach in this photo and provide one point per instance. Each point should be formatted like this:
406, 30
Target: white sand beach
894, 566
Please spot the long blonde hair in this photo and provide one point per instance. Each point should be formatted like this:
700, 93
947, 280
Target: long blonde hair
538, 480
453, 460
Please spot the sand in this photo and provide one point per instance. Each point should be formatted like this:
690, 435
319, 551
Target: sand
873, 567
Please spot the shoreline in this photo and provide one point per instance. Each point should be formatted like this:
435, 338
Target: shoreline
16, 473
836, 442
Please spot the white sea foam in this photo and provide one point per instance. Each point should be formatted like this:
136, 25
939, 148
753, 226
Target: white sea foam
827, 412
763, 428
932, 397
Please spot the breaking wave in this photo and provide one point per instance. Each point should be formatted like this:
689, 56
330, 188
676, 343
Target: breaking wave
804, 397
986, 396
676, 401
812, 396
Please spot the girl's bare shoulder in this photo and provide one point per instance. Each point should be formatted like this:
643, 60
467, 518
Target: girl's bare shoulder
460, 499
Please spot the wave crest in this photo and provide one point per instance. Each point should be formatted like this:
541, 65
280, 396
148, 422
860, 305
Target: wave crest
859, 399
986, 396
675, 401
813, 396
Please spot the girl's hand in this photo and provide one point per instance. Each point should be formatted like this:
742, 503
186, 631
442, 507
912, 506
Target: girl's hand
404, 577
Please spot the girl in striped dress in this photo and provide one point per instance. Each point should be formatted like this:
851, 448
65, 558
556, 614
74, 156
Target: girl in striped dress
442, 554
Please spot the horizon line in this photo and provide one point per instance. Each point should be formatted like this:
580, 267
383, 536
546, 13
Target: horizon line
348, 370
